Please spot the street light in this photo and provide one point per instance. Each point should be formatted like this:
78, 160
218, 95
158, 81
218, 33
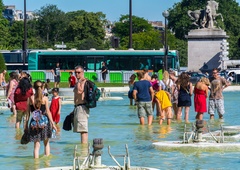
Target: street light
130, 23
165, 15
24, 45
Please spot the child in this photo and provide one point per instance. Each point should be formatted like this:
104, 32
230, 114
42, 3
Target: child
47, 85
131, 83
72, 79
55, 106
164, 102
44, 89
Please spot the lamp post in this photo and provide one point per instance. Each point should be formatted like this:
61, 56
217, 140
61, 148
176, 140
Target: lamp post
130, 23
165, 15
25, 35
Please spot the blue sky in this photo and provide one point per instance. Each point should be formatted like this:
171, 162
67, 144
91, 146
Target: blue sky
148, 9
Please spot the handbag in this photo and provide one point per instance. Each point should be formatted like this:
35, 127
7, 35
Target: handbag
25, 137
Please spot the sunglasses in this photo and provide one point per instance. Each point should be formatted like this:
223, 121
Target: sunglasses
77, 72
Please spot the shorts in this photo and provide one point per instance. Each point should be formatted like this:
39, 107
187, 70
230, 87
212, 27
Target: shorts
57, 79
81, 114
20, 114
145, 109
216, 104
104, 76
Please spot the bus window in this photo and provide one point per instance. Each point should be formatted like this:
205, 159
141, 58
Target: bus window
141, 62
47, 62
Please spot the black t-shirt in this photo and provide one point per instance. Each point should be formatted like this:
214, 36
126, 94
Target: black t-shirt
56, 71
103, 68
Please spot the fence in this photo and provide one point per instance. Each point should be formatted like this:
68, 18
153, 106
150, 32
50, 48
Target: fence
112, 76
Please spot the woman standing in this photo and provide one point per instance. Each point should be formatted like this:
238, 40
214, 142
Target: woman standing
21, 94
130, 84
39, 101
200, 97
184, 97
13, 83
174, 92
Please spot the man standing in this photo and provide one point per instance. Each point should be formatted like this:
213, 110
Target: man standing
104, 71
143, 95
81, 112
56, 72
71, 80
216, 97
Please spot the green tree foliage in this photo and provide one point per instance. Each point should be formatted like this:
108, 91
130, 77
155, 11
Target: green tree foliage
4, 32
16, 34
144, 40
85, 30
121, 28
2, 64
51, 23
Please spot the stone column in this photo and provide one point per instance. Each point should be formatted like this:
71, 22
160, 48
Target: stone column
204, 49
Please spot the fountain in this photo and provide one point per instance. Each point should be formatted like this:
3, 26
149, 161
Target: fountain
225, 139
93, 160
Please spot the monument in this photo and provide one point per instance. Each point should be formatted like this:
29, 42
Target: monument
204, 43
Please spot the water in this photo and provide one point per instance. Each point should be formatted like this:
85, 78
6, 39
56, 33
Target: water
118, 124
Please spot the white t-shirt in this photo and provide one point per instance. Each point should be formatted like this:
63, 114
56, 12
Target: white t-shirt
169, 83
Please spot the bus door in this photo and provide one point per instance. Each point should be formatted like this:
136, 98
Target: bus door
94, 62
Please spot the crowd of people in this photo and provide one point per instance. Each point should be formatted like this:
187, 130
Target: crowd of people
24, 99
168, 96
172, 96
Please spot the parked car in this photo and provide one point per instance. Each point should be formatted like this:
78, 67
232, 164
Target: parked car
195, 77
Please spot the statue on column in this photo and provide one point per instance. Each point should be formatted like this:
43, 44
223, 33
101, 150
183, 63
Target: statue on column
205, 18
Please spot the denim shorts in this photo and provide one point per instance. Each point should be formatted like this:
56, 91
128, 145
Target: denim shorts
145, 109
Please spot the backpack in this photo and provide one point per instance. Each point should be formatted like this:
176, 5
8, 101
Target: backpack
91, 94
39, 120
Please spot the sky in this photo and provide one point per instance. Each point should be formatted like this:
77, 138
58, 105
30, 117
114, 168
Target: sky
148, 9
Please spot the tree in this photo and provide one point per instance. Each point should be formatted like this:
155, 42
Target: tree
16, 34
2, 63
144, 40
85, 30
4, 32
121, 28
51, 22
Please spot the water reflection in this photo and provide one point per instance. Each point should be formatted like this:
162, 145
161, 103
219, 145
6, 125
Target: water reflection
164, 131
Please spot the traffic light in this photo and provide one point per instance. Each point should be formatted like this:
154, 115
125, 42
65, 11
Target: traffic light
115, 42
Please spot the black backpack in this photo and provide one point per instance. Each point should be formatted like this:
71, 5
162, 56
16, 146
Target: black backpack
91, 93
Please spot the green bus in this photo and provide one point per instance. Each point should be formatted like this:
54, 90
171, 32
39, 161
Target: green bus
116, 60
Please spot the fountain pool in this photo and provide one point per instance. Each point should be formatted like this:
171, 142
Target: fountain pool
117, 123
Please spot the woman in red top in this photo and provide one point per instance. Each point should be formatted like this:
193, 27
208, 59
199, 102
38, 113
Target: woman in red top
21, 95
55, 106
200, 97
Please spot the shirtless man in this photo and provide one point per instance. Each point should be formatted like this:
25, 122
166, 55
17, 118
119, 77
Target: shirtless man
81, 112
2, 78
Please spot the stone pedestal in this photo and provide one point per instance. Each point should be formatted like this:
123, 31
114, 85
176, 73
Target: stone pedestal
204, 49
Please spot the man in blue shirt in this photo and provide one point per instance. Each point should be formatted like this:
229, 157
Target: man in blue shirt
143, 95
